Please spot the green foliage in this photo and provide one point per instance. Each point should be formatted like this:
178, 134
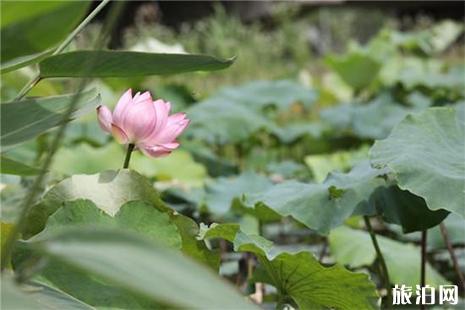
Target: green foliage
83, 158
221, 194
353, 248
373, 120
124, 64
299, 278
261, 94
110, 255
224, 122
234, 114
107, 240
134, 216
23, 61
357, 68
363, 190
108, 190
10, 166
259, 49
23, 23
425, 153
36, 296
26, 119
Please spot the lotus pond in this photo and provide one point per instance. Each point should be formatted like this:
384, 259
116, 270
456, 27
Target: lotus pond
289, 162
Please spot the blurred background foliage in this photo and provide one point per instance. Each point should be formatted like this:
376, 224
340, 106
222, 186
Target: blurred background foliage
312, 87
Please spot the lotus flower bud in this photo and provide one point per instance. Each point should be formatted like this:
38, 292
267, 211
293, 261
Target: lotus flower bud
143, 122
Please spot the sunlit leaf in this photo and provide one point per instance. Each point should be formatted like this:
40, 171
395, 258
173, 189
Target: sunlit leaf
109, 190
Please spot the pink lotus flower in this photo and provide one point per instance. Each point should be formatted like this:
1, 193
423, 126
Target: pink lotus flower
144, 123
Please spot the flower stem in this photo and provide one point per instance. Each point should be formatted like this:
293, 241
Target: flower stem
453, 257
423, 262
128, 155
380, 257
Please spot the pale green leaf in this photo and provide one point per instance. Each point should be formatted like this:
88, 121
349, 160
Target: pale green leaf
426, 153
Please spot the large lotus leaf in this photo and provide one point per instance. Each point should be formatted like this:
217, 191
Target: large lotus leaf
147, 270
426, 152
134, 216
109, 190
357, 68
26, 119
222, 122
373, 120
221, 193
321, 206
260, 94
327, 205
353, 248
299, 278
